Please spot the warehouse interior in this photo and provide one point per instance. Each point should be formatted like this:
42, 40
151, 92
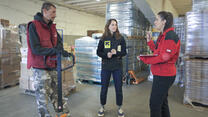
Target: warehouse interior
81, 24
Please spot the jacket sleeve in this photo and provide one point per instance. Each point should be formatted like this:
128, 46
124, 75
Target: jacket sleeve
168, 50
151, 45
123, 49
35, 43
100, 50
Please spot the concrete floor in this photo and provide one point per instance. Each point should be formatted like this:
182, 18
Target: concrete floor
85, 102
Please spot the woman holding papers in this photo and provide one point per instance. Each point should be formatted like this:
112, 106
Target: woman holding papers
166, 51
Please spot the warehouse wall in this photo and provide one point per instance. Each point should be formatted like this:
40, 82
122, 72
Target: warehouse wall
73, 22
157, 5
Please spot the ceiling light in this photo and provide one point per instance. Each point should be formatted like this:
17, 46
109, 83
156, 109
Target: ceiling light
98, 0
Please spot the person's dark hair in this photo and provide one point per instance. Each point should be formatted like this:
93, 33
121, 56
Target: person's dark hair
107, 32
47, 6
168, 16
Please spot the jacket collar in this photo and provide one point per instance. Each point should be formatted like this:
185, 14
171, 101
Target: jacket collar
167, 30
39, 17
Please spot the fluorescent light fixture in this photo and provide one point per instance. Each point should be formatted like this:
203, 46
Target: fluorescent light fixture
98, 0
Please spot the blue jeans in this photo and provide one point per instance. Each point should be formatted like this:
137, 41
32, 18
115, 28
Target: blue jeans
105, 79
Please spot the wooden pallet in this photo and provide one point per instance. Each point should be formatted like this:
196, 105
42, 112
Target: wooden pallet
89, 81
188, 56
197, 107
8, 85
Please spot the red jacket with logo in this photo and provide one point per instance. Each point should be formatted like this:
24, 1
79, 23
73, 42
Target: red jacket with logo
48, 40
167, 50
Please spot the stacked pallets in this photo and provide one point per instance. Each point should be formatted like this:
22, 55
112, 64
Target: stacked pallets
179, 24
196, 51
9, 57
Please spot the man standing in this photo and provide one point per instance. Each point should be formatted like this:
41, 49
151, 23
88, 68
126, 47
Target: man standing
43, 44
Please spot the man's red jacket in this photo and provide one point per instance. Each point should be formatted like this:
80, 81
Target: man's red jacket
167, 50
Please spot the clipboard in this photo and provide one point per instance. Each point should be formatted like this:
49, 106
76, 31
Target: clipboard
148, 55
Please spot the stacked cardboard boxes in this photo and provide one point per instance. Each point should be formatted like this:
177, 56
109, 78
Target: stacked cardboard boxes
26, 79
4, 23
9, 57
68, 80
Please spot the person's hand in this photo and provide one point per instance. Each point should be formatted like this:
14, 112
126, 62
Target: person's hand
66, 54
57, 51
113, 51
148, 36
109, 54
138, 58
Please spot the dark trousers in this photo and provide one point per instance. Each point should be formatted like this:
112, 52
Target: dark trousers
105, 79
159, 96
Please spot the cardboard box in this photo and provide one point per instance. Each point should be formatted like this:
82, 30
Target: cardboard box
27, 83
9, 78
26, 78
11, 60
9, 43
68, 81
4, 23
10, 70
24, 71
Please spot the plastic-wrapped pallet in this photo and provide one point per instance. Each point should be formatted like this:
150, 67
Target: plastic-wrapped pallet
199, 5
26, 78
197, 28
88, 64
9, 57
196, 81
179, 24
131, 20
196, 68
133, 24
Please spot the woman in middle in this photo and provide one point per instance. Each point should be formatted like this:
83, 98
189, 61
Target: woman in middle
111, 48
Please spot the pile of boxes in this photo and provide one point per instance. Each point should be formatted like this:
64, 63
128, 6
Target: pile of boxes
9, 56
26, 78
4, 23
